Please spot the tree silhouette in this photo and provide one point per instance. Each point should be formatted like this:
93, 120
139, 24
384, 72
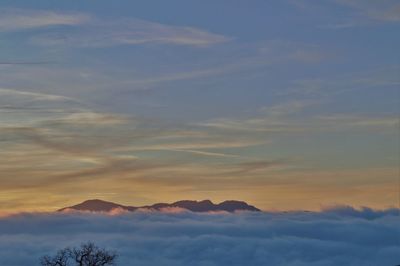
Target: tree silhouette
60, 259
88, 254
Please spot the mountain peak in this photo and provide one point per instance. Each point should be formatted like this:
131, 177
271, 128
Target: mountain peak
94, 201
232, 205
97, 205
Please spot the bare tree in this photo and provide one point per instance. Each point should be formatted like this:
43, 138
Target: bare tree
60, 259
88, 254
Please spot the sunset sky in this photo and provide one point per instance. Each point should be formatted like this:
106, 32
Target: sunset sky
287, 105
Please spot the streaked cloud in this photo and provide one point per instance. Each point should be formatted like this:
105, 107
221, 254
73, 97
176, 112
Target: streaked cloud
205, 153
354, 121
21, 19
33, 63
284, 118
92, 118
385, 10
90, 31
32, 95
103, 33
354, 13
368, 12
325, 88
94, 82
78, 146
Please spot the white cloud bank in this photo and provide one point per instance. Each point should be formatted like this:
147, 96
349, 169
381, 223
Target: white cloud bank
341, 236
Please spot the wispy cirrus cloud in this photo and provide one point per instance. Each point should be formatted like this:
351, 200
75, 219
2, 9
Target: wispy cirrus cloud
368, 12
384, 10
32, 95
317, 123
92, 118
82, 147
33, 63
103, 33
22, 19
204, 153
354, 13
90, 31
101, 77
284, 118
380, 78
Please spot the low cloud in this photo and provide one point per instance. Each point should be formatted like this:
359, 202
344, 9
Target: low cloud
337, 236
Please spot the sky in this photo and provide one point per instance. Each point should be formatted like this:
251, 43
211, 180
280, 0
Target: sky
339, 236
287, 105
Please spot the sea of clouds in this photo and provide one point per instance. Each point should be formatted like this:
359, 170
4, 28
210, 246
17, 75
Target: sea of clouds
338, 236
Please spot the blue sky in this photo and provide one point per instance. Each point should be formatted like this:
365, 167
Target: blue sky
285, 104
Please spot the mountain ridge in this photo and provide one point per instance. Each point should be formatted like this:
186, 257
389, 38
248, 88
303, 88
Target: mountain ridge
97, 205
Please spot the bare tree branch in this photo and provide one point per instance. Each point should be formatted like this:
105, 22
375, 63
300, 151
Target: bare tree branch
88, 254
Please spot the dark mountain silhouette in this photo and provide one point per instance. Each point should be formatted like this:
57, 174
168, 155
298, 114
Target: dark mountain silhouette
97, 205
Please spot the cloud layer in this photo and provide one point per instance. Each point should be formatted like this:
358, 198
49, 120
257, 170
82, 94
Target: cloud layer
340, 236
